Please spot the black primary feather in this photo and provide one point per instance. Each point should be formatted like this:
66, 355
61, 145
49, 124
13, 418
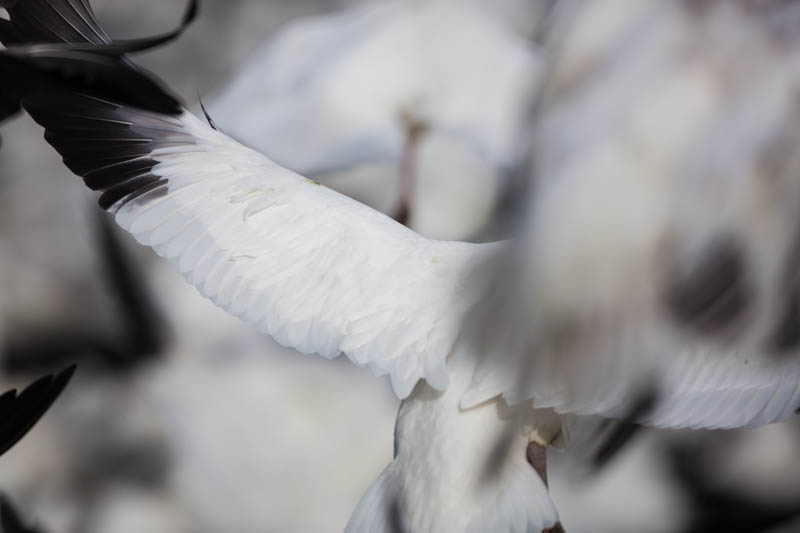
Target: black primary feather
103, 114
114, 48
10, 519
50, 21
20, 412
57, 46
72, 22
107, 144
614, 435
714, 292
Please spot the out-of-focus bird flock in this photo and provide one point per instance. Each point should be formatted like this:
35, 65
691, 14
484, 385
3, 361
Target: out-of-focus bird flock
181, 418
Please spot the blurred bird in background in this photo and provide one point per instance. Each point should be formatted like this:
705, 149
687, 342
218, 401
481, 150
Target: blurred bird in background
18, 414
658, 251
426, 98
651, 280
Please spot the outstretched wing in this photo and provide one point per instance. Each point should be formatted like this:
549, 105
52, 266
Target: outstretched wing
43, 21
314, 269
661, 384
56, 42
665, 220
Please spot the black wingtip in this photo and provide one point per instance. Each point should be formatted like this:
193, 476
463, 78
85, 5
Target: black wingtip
11, 520
19, 413
57, 46
614, 435
62, 379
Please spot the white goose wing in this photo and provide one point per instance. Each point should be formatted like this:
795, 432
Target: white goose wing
665, 222
313, 268
660, 384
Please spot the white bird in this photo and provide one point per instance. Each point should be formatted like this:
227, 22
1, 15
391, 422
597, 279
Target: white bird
661, 230
374, 86
628, 282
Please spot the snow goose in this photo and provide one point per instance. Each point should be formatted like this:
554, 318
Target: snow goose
661, 236
405, 88
219, 212
324, 274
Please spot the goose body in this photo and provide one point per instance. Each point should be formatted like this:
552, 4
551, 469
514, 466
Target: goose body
444, 450
481, 354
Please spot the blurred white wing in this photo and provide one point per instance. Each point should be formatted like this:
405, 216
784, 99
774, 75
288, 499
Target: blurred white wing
706, 388
314, 269
692, 385
664, 223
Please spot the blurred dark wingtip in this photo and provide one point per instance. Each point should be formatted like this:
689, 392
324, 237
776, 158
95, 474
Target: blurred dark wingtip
62, 379
10, 519
19, 413
617, 434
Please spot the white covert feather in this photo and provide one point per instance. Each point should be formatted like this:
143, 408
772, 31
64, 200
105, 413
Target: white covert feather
314, 269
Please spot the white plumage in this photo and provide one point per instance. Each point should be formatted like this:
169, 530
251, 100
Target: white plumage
626, 213
314, 269
334, 91
666, 145
330, 96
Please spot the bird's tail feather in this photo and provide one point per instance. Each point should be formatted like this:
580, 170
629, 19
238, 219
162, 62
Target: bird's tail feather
379, 509
458, 470
521, 504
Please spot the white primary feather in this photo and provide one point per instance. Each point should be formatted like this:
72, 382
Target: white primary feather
323, 273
